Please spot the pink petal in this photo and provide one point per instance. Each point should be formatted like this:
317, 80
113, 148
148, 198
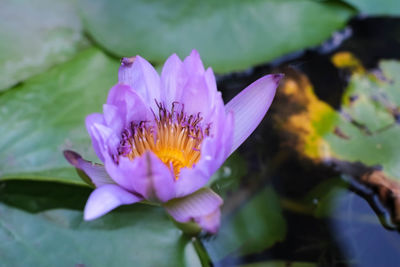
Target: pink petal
96, 172
106, 198
201, 207
250, 106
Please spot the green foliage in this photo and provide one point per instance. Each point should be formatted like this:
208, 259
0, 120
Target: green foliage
376, 8
228, 177
139, 235
45, 115
279, 264
35, 36
366, 129
368, 121
42, 51
253, 227
230, 35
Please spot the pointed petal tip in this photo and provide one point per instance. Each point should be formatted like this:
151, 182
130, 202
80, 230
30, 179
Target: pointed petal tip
251, 105
277, 77
106, 198
89, 217
72, 157
201, 207
127, 61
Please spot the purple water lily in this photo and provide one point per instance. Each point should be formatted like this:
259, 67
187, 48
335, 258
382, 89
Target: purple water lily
161, 138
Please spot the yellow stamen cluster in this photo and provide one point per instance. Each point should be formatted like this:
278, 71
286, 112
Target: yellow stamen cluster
174, 137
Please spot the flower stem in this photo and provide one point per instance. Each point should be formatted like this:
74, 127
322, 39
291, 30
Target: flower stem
201, 251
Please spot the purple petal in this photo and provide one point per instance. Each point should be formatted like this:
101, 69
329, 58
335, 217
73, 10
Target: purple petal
201, 207
113, 117
191, 180
210, 222
214, 151
96, 172
142, 78
173, 80
91, 120
105, 140
189, 84
197, 97
147, 175
106, 198
250, 106
130, 105
193, 63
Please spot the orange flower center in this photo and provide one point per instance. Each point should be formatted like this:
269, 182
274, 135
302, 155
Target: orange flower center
174, 137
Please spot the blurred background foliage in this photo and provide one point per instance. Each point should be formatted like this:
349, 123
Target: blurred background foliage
322, 169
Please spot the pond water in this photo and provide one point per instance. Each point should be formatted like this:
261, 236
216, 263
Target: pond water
281, 209
330, 220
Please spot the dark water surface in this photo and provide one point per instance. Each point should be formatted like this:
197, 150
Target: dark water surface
349, 229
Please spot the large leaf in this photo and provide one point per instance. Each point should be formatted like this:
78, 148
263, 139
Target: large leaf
280, 264
230, 35
45, 115
56, 235
377, 8
36, 35
227, 178
253, 227
134, 236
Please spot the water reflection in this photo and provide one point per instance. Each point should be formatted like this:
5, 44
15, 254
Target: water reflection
360, 234
328, 221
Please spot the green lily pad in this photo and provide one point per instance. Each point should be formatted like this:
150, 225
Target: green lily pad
230, 35
279, 264
227, 178
376, 8
35, 36
45, 115
137, 235
253, 227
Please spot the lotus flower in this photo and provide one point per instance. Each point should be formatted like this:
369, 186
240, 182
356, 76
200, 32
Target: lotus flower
162, 137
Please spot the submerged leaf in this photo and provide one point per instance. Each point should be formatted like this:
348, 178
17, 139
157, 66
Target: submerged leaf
365, 130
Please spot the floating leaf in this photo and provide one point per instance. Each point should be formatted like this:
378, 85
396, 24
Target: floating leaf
279, 264
255, 226
377, 8
227, 178
230, 35
36, 35
45, 115
138, 235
